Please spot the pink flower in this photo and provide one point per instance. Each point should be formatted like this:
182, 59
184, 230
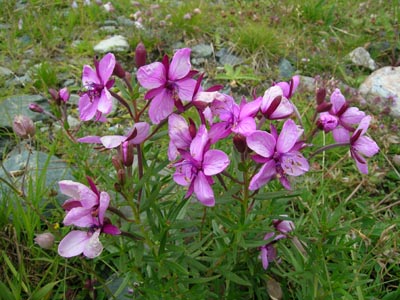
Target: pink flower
279, 154
197, 167
275, 105
361, 145
86, 208
97, 100
268, 251
168, 84
327, 122
179, 134
290, 87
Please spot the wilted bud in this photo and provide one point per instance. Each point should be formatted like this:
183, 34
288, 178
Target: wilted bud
119, 70
240, 143
283, 226
121, 177
45, 240
324, 107
320, 95
116, 163
53, 93
36, 108
23, 126
140, 55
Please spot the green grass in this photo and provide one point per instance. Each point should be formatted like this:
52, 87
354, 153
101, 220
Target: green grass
346, 242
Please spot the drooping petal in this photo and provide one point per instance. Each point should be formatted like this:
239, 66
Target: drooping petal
152, 76
284, 110
266, 173
161, 106
106, 67
214, 162
186, 88
264, 257
341, 135
112, 141
366, 146
261, 142
180, 65
362, 166
105, 102
245, 126
111, 229
269, 96
90, 139
73, 243
250, 109
219, 131
89, 76
93, 246
142, 129
178, 131
203, 190
78, 191
294, 163
183, 175
364, 124
79, 216
288, 137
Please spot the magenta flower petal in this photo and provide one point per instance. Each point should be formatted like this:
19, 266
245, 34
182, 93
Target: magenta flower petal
214, 162
89, 76
180, 65
103, 205
294, 163
73, 243
78, 191
79, 216
161, 106
198, 144
337, 100
352, 115
186, 88
341, 135
288, 137
178, 130
366, 146
106, 67
264, 257
261, 142
203, 190
87, 108
269, 95
152, 76
142, 129
264, 175
105, 102
111, 229
93, 246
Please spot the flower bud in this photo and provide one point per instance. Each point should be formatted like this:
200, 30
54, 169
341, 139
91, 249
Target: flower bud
121, 177
192, 128
45, 240
140, 55
36, 108
127, 154
119, 70
283, 226
240, 143
53, 93
23, 126
327, 122
116, 163
320, 95
324, 106
64, 94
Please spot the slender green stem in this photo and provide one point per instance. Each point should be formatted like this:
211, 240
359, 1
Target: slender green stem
327, 147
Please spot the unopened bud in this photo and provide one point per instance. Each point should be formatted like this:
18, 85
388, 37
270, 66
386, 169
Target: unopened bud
119, 71
320, 95
116, 163
64, 94
327, 122
45, 240
53, 93
127, 154
140, 55
192, 128
324, 107
36, 108
23, 126
240, 143
121, 177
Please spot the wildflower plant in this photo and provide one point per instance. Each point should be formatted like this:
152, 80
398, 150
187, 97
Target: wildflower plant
185, 142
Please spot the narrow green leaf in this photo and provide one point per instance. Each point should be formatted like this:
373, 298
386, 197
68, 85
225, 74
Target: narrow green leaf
5, 293
236, 279
44, 291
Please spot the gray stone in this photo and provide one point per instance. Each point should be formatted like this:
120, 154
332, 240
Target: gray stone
19, 105
230, 59
383, 83
361, 57
286, 70
36, 167
202, 51
123, 21
109, 29
110, 23
116, 43
5, 72
307, 83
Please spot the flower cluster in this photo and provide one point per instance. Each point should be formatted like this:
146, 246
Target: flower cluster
266, 132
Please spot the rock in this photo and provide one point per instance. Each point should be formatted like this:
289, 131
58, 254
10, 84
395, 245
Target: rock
202, 51
123, 21
286, 70
116, 43
225, 58
108, 29
307, 84
4, 72
41, 168
19, 105
383, 83
361, 57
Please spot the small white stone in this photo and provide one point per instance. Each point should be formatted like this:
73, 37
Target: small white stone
361, 57
117, 43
